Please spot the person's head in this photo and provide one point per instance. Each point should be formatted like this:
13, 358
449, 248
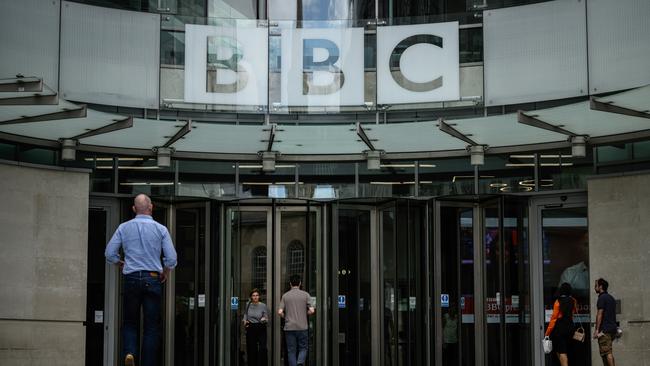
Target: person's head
564, 290
601, 285
295, 280
255, 295
142, 205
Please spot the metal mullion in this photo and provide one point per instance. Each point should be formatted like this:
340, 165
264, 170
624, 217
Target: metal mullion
427, 283
207, 310
335, 286
196, 288
437, 283
502, 279
321, 305
459, 284
479, 285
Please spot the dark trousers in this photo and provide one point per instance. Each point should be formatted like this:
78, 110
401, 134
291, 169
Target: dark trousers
142, 290
256, 344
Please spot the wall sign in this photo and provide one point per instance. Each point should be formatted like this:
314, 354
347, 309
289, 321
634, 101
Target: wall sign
321, 66
226, 65
418, 63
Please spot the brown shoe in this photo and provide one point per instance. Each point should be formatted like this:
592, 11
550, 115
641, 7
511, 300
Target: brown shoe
129, 360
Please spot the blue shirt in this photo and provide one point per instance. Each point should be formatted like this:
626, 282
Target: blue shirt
142, 240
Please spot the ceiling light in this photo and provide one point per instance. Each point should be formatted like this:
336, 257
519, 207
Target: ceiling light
268, 161
68, 149
477, 154
163, 156
579, 146
373, 159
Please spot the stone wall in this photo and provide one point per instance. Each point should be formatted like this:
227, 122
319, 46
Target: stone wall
44, 235
619, 251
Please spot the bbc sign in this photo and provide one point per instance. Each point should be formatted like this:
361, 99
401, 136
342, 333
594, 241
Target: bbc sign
321, 66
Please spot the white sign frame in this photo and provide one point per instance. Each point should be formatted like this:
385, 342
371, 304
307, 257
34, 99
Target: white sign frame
442, 61
254, 45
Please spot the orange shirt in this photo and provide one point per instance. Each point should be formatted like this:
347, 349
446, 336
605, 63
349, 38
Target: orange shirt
557, 314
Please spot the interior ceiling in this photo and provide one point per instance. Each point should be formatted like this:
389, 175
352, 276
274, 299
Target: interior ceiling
31, 112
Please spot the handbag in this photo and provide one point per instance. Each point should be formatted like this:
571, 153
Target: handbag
579, 334
547, 344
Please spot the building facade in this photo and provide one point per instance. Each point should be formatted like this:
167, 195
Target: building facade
433, 169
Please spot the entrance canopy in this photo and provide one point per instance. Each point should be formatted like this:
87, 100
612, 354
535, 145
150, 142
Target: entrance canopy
35, 115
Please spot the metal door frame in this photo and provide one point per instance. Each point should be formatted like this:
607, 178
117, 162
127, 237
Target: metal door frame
170, 293
375, 281
226, 269
535, 206
478, 232
277, 277
111, 278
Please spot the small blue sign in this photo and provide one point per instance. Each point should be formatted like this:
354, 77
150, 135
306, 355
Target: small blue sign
234, 303
444, 300
341, 301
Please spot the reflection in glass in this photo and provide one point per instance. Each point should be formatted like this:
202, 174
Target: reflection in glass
457, 282
300, 256
247, 247
189, 320
565, 243
353, 272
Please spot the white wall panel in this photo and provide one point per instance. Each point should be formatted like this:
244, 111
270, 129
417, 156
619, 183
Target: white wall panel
619, 44
535, 52
29, 37
109, 56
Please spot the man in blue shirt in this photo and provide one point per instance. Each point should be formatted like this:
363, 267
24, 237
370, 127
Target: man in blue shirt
143, 241
606, 327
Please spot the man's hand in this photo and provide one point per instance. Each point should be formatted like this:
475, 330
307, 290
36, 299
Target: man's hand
311, 310
281, 313
120, 264
165, 274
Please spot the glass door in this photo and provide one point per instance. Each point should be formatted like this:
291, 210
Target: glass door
246, 264
482, 312
189, 278
353, 261
455, 305
404, 259
264, 247
563, 256
101, 301
298, 252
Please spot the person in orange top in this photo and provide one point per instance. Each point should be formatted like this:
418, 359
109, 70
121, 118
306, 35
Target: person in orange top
561, 327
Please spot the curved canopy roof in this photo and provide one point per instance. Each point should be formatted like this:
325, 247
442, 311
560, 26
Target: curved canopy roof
38, 116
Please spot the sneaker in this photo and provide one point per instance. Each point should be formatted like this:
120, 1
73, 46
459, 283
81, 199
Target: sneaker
129, 360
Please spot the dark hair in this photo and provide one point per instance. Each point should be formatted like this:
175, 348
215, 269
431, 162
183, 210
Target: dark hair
295, 280
565, 300
602, 283
254, 291
564, 290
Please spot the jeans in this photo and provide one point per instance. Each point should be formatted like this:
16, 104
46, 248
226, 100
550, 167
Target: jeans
142, 290
297, 343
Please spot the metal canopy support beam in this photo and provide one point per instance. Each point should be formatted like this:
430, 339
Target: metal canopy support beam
63, 114
119, 125
530, 120
610, 107
271, 140
20, 84
364, 137
448, 129
31, 99
179, 135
